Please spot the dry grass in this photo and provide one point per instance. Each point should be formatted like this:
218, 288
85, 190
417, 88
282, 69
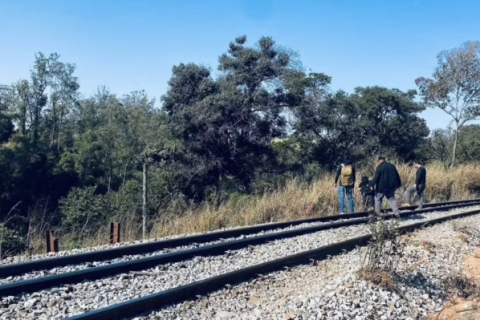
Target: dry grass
380, 277
295, 201
298, 201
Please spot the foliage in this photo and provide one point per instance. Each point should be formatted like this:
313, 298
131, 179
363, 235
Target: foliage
83, 210
11, 242
371, 120
455, 87
258, 125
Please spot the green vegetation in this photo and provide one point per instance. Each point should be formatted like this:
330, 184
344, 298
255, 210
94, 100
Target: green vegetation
74, 163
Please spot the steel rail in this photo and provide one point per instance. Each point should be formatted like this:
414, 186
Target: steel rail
37, 284
135, 307
15, 269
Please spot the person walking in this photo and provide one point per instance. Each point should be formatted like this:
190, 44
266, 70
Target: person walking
419, 186
346, 175
367, 193
385, 182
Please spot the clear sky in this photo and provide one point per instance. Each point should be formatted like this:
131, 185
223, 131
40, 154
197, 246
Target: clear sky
131, 45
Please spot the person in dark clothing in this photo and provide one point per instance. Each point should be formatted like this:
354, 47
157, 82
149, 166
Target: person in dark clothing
346, 176
385, 182
419, 186
367, 193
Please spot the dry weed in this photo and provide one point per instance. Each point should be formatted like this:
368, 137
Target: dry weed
459, 285
380, 277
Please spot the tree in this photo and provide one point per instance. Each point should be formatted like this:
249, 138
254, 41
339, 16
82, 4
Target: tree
455, 86
63, 96
440, 145
6, 125
372, 119
389, 121
226, 124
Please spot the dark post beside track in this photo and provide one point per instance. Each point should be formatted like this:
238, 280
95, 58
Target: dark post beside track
114, 232
52, 242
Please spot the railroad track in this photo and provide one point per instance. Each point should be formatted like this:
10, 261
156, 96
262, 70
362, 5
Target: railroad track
156, 300
14, 269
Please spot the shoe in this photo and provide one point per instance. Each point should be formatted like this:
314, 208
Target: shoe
406, 205
342, 212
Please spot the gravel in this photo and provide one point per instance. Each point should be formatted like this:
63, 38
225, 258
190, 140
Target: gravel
86, 265
333, 290
57, 303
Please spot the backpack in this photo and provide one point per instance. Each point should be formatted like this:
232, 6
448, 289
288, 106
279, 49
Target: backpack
346, 176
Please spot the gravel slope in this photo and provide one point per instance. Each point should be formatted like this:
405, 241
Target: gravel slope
58, 303
332, 289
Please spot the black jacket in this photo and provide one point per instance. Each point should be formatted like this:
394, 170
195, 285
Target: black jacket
339, 171
421, 179
365, 188
386, 178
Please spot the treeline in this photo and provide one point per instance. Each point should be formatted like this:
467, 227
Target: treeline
77, 162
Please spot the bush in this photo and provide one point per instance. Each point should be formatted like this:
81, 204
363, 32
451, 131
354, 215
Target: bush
83, 211
11, 242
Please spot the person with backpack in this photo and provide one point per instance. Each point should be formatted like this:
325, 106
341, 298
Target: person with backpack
418, 187
346, 175
385, 182
367, 193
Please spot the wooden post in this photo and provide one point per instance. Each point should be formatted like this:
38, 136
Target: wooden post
145, 199
52, 242
114, 232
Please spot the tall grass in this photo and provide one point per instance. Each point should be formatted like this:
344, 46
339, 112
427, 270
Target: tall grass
296, 200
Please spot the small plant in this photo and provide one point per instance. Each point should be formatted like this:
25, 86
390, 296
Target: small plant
383, 254
385, 248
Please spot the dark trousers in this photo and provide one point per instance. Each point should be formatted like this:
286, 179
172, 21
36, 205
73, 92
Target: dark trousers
408, 196
368, 201
390, 195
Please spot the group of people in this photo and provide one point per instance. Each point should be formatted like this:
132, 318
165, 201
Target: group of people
383, 185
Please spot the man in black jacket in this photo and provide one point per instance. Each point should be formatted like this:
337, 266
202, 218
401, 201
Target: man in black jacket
419, 186
385, 182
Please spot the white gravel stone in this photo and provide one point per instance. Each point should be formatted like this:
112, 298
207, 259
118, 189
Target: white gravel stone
332, 289
81, 266
57, 303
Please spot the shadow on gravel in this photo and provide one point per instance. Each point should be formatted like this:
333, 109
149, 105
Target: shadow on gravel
415, 217
420, 282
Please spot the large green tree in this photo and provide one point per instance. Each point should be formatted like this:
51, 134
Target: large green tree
226, 124
369, 121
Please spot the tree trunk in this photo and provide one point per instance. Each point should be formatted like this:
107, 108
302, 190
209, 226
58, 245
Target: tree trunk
218, 193
36, 120
54, 120
59, 129
454, 152
23, 119
145, 200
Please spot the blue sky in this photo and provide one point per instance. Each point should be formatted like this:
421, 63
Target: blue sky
132, 45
